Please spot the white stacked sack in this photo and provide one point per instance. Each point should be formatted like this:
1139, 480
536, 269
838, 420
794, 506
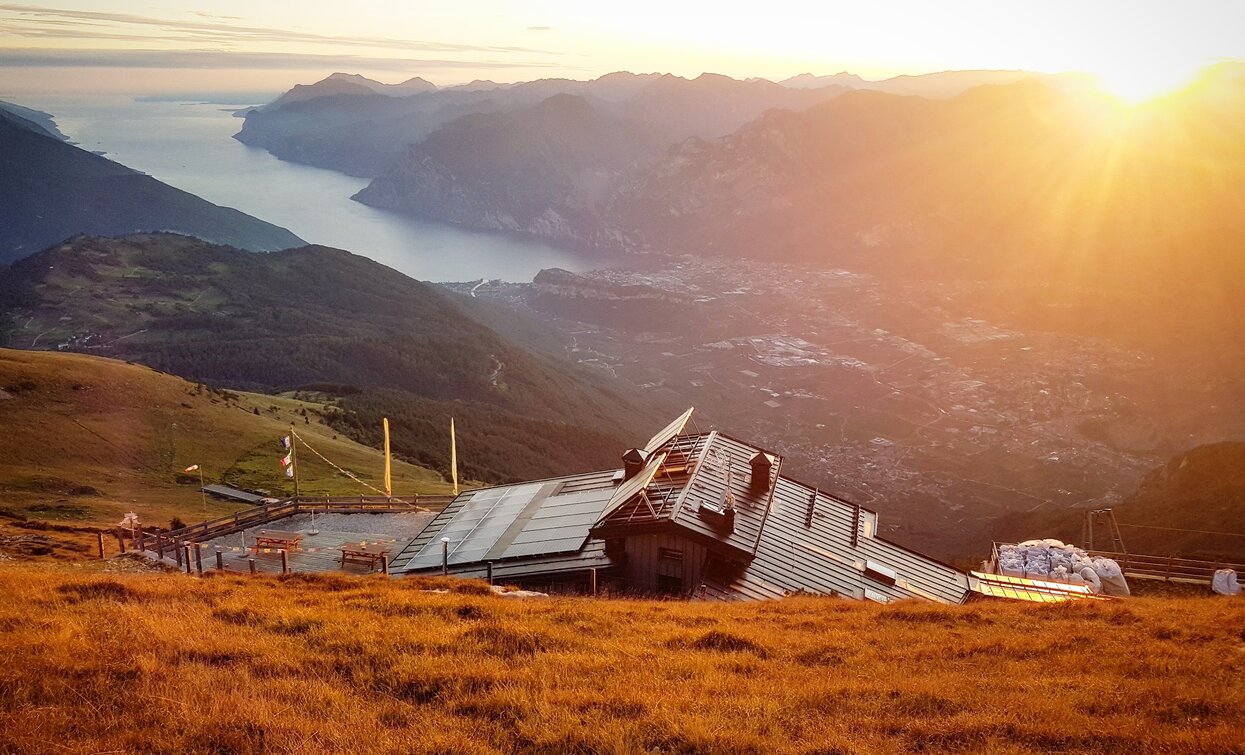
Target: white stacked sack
1225, 583
1054, 561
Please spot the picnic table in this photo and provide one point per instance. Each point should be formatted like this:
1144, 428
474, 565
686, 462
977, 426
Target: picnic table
280, 539
364, 553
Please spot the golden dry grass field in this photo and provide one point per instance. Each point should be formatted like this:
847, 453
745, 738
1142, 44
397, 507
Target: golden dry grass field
165, 663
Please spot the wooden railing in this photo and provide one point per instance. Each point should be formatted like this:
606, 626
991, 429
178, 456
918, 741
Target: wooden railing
173, 543
1168, 568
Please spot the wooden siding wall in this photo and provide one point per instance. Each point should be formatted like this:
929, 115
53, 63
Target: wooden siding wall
644, 562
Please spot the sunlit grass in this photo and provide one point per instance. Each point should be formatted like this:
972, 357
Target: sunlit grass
166, 663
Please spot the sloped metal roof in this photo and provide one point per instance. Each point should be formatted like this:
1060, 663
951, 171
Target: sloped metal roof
690, 490
799, 552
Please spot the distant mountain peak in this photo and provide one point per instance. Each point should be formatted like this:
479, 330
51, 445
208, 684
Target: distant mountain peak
813, 81
357, 78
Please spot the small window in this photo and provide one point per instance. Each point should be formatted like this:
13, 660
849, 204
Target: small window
880, 573
670, 554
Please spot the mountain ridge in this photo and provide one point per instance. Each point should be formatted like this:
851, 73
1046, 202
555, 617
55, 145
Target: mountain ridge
51, 190
314, 316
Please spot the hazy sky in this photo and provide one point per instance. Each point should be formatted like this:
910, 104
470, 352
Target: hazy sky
266, 46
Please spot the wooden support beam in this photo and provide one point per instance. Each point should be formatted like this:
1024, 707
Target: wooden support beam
101, 545
199, 558
250, 561
186, 548
285, 561
384, 563
220, 559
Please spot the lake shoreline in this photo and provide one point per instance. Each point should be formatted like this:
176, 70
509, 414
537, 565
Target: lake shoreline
190, 145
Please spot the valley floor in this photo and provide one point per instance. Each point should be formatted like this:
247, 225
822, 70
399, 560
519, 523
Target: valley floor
106, 658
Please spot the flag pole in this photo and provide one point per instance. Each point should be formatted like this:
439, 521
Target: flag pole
453, 457
294, 457
388, 465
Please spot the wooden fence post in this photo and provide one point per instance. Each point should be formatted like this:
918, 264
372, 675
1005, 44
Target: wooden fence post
177, 553
250, 560
101, 545
384, 563
592, 579
121, 539
199, 558
220, 559
285, 561
160, 546
445, 556
186, 548
488, 565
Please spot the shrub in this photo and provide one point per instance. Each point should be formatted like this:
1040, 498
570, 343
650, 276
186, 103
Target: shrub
98, 590
725, 642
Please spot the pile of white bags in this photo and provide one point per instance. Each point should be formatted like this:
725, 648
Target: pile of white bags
1225, 582
1053, 561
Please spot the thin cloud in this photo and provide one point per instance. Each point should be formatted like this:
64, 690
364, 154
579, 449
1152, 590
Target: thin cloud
219, 59
202, 14
540, 28
25, 20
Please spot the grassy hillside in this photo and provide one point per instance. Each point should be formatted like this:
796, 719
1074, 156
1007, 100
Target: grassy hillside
492, 444
87, 439
51, 190
1178, 509
308, 317
168, 663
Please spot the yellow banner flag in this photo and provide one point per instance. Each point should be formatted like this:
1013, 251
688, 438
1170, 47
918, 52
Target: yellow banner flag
453, 457
388, 465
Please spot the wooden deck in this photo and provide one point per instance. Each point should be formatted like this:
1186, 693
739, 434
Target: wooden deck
320, 552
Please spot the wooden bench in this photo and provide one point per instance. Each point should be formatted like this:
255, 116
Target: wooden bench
364, 553
279, 539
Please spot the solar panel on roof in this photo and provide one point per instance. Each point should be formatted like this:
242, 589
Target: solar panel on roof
635, 484
528, 519
478, 525
669, 432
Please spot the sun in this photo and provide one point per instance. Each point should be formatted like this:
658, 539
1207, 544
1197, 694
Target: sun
1137, 82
